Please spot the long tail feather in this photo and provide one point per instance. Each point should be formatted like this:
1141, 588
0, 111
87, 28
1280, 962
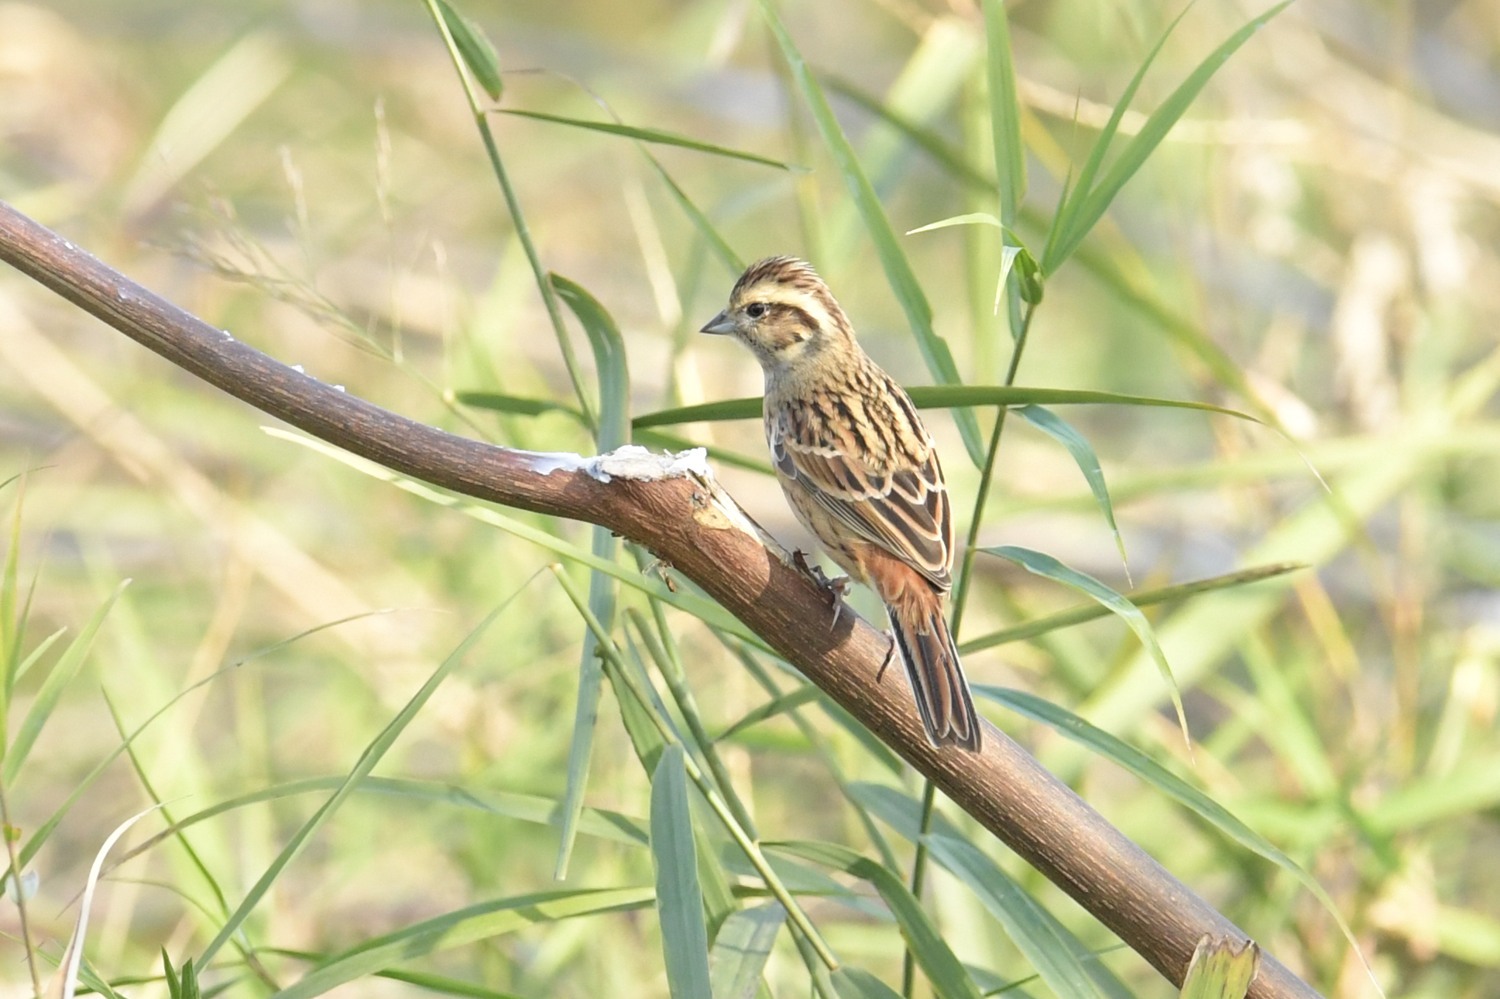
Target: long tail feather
936, 676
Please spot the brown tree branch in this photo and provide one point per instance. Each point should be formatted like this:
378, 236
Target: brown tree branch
689, 523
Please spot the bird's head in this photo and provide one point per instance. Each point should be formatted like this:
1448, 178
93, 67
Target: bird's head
784, 313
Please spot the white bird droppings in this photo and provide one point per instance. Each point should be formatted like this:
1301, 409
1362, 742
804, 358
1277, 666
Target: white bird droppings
629, 462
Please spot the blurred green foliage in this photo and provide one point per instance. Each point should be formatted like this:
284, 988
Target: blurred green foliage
1311, 243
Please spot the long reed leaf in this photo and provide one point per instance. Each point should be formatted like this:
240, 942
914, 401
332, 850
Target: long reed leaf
372, 755
1050, 568
612, 431
1083, 454
948, 976
1087, 202
51, 690
679, 899
741, 950
483, 921
941, 396
651, 135
898, 271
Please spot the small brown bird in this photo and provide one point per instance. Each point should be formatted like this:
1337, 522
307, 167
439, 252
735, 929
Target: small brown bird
860, 472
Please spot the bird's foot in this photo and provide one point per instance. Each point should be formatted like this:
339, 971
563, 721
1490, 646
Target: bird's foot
889, 649
836, 587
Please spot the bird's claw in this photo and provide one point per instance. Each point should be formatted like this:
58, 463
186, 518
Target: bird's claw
887, 660
836, 587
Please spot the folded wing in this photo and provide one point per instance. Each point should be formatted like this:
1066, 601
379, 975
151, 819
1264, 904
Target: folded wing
903, 507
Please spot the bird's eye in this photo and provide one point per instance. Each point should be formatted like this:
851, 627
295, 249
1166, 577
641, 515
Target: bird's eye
756, 310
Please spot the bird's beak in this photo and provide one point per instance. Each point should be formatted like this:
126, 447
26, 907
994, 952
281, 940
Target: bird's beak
719, 324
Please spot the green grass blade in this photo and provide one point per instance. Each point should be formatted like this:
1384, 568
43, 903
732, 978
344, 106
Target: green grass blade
857, 983
612, 431
1141, 598
658, 642
948, 976
969, 218
679, 900
174, 984
654, 136
44, 831
91, 979
1050, 568
1005, 112
372, 755
719, 901
943, 152
51, 690
1107, 746
701, 222
614, 827
586, 710
1315, 532
183, 985
771, 709
741, 949
1014, 258
515, 405
1471, 787
517, 216
643, 715
641, 709
1066, 225
475, 48
37, 654
708, 412
804, 879
1089, 202
941, 396
1133, 289
929, 79
194, 858
1160, 122
652, 734
1129, 285
1289, 730
1221, 969
904, 813
609, 359
880, 756
484, 921
705, 610
12, 618
933, 396
897, 268
631, 686
601, 823
899, 810
1083, 454
1035, 934
444, 986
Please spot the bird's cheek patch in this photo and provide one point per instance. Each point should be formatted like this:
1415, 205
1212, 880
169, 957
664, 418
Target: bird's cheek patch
785, 341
